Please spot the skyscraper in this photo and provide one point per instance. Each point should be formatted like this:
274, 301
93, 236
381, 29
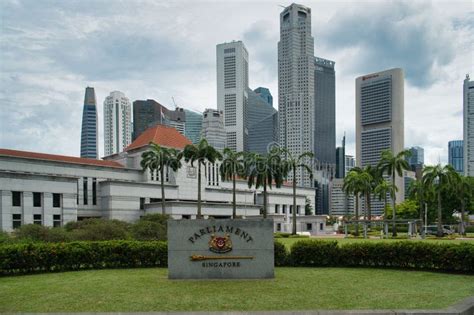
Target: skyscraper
117, 123
262, 124
349, 164
90, 127
193, 125
416, 158
341, 160
296, 83
468, 126
324, 110
265, 94
232, 85
380, 121
213, 128
455, 155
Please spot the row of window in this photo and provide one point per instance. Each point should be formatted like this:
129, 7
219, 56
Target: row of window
37, 199
283, 209
37, 219
309, 227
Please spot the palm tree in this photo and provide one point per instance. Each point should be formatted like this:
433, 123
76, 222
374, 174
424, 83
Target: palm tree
418, 191
353, 184
383, 189
200, 153
438, 177
158, 158
463, 189
292, 164
392, 165
368, 177
263, 171
232, 166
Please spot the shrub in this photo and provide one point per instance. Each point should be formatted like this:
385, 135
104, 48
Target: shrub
469, 229
144, 230
98, 230
4, 238
298, 236
44, 257
31, 232
281, 235
280, 254
314, 253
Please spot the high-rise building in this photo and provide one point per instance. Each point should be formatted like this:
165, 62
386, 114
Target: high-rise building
296, 84
213, 128
455, 155
342, 204
468, 126
341, 159
408, 178
417, 157
149, 113
349, 164
380, 121
193, 125
117, 123
90, 126
262, 124
265, 94
232, 86
324, 110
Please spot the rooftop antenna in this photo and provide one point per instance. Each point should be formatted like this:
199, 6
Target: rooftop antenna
175, 106
282, 6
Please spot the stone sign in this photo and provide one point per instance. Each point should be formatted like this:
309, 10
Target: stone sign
220, 249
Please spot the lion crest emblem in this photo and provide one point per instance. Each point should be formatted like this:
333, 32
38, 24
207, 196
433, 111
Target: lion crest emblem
220, 244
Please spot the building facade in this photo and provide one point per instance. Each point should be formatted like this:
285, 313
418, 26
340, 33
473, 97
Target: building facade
265, 94
90, 126
232, 87
213, 128
380, 121
456, 155
468, 126
349, 164
193, 125
324, 110
416, 158
341, 203
262, 124
117, 123
296, 84
52, 190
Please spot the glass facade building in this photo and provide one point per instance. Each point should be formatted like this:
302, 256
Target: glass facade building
193, 125
90, 128
265, 94
456, 155
417, 157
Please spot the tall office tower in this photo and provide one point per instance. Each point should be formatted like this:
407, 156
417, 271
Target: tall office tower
468, 126
342, 204
213, 128
90, 126
262, 124
265, 94
379, 121
117, 123
349, 164
341, 159
455, 155
149, 113
416, 158
193, 125
232, 86
296, 83
324, 110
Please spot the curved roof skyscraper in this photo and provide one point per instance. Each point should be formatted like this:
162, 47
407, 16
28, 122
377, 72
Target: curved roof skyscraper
90, 132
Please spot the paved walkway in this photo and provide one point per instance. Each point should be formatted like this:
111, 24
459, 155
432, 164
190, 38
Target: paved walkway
465, 307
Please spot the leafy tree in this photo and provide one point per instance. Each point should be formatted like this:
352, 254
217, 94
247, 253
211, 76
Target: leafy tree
290, 165
393, 165
463, 189
308, 210
231, 167
407, 209
201, 153
158, 158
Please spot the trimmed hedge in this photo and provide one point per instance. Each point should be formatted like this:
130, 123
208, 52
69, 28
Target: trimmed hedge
47, 257
280, 254
403, 254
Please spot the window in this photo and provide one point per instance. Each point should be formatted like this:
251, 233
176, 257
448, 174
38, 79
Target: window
16, 199
94, 191
152, 200
321, 226
37, 219
309, 226
142, 203
186, 216
56, 220
283, 209
36, 199
277, 208
291, 209
278, 227
297, 209
16, 219
85, 190
56, 200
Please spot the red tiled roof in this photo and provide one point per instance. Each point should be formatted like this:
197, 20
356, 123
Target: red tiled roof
162, 135
59, 158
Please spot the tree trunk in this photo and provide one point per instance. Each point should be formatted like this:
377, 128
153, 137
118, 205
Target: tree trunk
234, 207
265, 200
440, 224
366, 212
199, 214
394, 197
163, 211
369, 208
385, 214
294, 202
356, 210
462, 231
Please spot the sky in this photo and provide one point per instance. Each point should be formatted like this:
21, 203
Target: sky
51, 50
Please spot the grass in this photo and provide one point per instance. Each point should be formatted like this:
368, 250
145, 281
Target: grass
144, 290
288, 242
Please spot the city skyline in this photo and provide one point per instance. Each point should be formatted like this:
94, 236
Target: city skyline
44, 87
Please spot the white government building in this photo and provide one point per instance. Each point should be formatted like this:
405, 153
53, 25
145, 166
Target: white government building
53, 189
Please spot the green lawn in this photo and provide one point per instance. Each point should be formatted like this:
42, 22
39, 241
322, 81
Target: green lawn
290, 241
144, 290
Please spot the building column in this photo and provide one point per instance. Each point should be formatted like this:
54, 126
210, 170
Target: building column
47, 209
6, 219
27, 205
